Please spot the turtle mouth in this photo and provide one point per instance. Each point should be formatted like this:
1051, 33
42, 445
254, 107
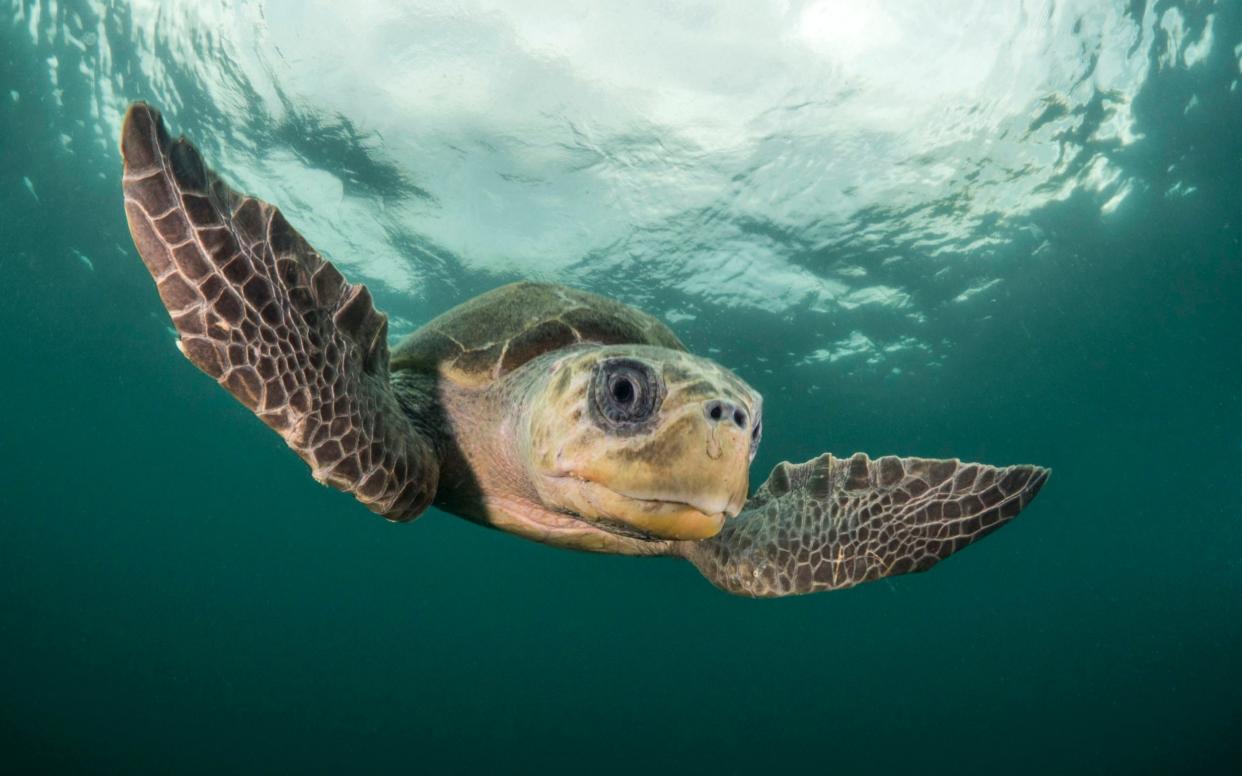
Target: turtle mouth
637, 516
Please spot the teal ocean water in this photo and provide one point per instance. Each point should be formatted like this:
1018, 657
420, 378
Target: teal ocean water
1008, 232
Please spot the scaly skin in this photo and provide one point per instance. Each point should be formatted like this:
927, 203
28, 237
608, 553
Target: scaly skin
832, 523
261, 312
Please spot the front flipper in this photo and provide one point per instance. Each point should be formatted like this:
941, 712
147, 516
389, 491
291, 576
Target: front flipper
274, 323
832, 523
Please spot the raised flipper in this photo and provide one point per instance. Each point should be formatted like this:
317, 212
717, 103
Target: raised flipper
274, 323
832, 523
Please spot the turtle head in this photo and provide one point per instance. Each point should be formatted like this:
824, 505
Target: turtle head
643, 441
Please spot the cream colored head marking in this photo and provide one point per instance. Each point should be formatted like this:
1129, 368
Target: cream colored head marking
642, 440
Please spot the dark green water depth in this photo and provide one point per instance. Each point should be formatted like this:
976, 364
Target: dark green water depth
177, 595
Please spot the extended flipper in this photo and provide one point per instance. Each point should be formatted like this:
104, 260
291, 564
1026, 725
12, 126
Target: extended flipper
274, 323
832, 523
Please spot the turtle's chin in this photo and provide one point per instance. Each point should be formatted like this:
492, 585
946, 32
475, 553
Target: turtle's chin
644, 518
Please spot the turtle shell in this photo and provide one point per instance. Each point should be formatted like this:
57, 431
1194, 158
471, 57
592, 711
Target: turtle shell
489, 336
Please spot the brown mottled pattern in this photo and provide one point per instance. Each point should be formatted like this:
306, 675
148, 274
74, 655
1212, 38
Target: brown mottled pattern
832, 523
490, 336
274, 323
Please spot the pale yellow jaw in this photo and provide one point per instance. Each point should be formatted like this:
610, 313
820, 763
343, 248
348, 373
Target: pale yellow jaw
659, 519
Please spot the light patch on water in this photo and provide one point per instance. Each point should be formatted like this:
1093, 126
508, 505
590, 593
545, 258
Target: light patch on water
767, 286
86, 260
860, 347
1115, 201
1180, 189
845, 30
1101, 175
881, 296
1197, 51
855, 344
1182, 49
1172, 25
975, 290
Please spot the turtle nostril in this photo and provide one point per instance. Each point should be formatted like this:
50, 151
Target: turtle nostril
718, 410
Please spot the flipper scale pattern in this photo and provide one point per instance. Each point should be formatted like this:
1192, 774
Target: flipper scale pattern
833, 523
258, 309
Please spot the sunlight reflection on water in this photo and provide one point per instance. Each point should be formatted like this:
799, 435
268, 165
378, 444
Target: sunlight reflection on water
810, 159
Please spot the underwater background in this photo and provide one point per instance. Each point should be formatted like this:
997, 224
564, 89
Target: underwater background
1002, 231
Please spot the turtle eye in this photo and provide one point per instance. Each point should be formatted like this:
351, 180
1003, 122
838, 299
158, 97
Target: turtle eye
623, 390
626, 392
756, 436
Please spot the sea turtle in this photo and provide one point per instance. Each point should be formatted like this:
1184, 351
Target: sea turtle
544, 411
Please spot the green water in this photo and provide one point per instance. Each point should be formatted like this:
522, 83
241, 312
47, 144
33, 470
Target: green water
1040, 264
